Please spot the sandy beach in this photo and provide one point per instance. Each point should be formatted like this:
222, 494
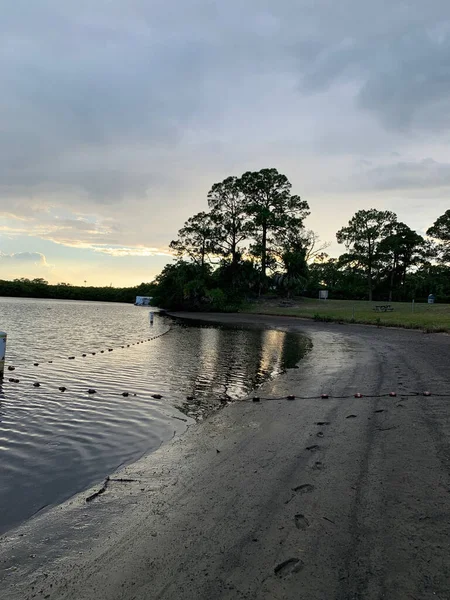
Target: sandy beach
313, 499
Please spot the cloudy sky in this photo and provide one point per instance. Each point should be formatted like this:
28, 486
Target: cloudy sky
117, 116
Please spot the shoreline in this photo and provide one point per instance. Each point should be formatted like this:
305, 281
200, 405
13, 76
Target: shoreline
218, 511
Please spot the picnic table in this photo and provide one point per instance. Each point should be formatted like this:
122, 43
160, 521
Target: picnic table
383, 308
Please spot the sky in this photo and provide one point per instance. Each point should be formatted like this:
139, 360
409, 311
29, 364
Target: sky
116, 117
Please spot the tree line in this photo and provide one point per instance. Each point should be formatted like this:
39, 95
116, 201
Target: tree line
253, 241
40, 288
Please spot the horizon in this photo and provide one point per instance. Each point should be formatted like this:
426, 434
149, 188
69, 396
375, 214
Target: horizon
117, 123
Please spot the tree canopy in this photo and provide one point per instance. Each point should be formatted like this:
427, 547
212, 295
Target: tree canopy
230, 218
363, 237
440, 231
256, 209
195, 239
273, 210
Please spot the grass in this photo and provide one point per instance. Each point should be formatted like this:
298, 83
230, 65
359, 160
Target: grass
429, 317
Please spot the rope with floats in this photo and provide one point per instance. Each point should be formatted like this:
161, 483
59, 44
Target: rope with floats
85, 354
347, 397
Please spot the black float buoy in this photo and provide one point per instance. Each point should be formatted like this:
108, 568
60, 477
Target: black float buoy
189, 397
62, 389
256, 398
10, 368
291, 397
36, 384
36, 364
91, 391
125, 394
157, 396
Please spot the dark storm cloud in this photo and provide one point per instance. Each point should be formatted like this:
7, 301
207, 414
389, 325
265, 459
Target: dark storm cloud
414, 85
426, 174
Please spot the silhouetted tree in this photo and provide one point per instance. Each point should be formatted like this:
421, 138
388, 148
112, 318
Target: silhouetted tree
195, 238
228, 214
271, 209
363, 236
440, 231
400, 250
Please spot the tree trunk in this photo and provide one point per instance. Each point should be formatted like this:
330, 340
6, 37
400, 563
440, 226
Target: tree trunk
391, 282
233, 243
233, 250
263, 257
390, 287
369, 281
369, 269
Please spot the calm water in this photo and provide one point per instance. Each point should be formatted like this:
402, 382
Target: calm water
54, 444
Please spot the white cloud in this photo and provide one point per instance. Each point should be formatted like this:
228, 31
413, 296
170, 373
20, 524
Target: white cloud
16, 258
134, 251
34, 257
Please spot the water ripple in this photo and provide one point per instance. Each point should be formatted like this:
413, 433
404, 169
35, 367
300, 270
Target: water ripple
54, 443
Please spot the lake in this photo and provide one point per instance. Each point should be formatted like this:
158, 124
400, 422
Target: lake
55, 443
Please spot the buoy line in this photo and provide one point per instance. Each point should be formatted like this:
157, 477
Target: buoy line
391, 394
85, 354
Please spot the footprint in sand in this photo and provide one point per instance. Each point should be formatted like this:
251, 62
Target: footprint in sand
288, 567
301, 522
313, 448
305, 488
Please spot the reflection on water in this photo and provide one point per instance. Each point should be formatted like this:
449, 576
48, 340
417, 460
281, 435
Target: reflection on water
53, 443
232, 361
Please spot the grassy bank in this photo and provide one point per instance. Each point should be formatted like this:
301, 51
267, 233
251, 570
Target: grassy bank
430, 317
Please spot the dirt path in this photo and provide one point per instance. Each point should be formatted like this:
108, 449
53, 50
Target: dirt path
345, 499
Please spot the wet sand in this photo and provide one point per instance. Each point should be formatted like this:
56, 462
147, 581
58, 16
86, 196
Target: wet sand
339, 498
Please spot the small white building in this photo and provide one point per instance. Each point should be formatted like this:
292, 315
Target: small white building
143, 301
